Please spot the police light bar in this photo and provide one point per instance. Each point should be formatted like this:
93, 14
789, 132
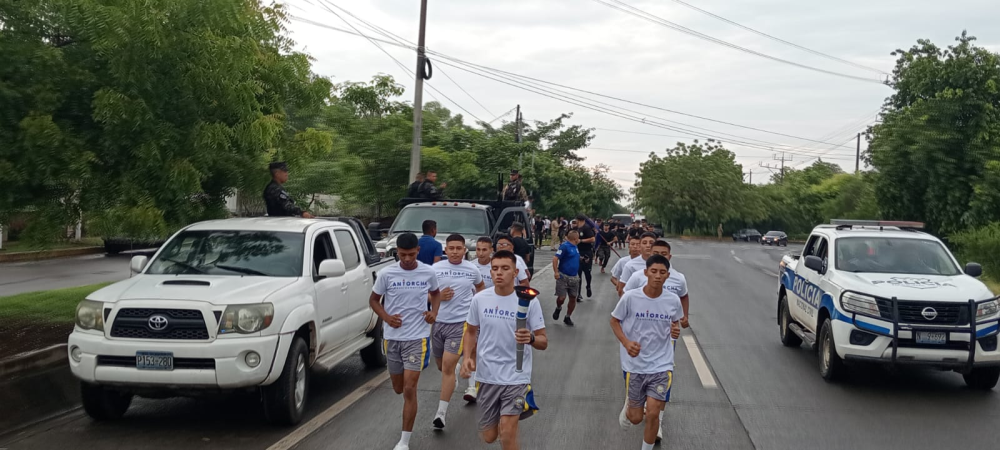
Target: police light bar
878, 223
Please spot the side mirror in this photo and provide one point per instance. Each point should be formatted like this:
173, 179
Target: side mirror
138, 263
815, 263
973, 269
374, 232
332, 268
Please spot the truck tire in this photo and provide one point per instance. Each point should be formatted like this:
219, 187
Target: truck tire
372, 355
788, 338
831, 367
104, 404
983, 378
285, 399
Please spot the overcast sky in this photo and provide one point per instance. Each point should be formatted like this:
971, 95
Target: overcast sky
586, 45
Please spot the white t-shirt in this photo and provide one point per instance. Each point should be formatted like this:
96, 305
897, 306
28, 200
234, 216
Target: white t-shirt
522, 269
637, 264
616, 271
405, 293
461, 278
496, 317
485, 270
675, 283
547, 223
647, 321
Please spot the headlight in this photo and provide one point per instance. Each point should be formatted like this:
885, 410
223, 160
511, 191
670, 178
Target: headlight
861, 304
90, 315
987, 309
246, 319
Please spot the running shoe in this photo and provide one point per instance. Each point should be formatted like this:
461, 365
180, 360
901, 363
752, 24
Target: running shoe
555, 315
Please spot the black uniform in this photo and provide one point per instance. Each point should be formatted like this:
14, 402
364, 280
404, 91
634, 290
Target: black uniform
428, 191
279, 204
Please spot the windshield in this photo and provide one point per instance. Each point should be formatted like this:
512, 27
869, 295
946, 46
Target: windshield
774, 233
894, 255
237, 253
450, 220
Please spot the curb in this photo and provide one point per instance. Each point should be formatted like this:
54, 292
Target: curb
33, 361
49, 254
37, 385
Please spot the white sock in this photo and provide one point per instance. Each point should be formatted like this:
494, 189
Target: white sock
646, 446
405, 438
661, 416
442, 407
472, 380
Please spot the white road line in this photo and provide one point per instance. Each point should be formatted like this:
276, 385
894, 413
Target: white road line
737, 258
542, 270
732, 252
704, 373
692, 256
310, 427
768, 272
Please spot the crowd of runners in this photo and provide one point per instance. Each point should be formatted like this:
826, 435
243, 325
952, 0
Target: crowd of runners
434, 301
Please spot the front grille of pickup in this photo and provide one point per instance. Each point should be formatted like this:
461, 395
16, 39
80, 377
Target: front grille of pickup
181, 324
179, 363
911, 312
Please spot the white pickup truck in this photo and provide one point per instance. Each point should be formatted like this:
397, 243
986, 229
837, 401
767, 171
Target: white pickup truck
887, 293
226, 305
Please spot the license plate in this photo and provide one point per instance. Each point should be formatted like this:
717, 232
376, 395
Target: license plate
932, 337
154, 360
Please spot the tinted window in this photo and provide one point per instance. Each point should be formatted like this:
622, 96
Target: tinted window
235, 253
894, 255
322, 250
775, 233
348, 250
450, 219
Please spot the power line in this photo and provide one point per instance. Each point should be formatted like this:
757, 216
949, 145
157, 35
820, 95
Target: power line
511, 74
502, 115
385, 33
401, 65
666, 23
761, 33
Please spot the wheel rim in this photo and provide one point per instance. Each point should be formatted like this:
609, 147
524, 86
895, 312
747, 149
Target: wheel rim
300, 381
825, 354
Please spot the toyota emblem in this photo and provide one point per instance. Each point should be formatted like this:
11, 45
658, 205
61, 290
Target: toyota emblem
929, 313
157, 323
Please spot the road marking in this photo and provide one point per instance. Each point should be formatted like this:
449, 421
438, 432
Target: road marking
768, 272
542, 270
704, 373
737, 258
310, 427
682, 256
732, 252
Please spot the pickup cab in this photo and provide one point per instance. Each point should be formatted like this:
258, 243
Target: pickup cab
884, 292
231, 305
469, 218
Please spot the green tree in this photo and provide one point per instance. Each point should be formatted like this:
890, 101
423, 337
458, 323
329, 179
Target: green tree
936, 148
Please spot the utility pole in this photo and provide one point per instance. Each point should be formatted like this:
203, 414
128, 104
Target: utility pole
517, 135
418, 95
857, 157
782, 159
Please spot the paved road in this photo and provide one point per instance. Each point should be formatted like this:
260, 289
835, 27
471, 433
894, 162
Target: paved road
767, 396
61, 273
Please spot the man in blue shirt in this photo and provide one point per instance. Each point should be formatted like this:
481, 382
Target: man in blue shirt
566, 266
431, 250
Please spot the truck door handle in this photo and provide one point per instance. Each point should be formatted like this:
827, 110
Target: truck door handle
343, 288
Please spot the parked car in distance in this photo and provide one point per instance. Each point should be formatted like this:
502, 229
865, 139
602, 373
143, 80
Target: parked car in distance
747, 235
774, 238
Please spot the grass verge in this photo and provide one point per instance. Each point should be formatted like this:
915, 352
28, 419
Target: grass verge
993, 285
57, 305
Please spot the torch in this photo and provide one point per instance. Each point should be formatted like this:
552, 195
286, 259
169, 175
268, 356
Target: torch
524, 297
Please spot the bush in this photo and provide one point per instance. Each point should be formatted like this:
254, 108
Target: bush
981, 245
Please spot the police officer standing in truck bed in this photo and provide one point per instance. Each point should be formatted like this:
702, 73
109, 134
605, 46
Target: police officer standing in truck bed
277, 201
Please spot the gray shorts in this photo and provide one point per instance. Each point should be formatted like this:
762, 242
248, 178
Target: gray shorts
567, 285
412, 355
498, 400
652, 385
447, 337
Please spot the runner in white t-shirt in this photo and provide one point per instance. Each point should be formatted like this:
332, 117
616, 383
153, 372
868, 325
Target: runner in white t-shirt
633, 251
505, 242
459, 280
404, 287
646, 321
505, 395
637, 264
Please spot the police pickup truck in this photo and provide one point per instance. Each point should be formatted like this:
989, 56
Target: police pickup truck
469, 218
231, 305
886, 292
